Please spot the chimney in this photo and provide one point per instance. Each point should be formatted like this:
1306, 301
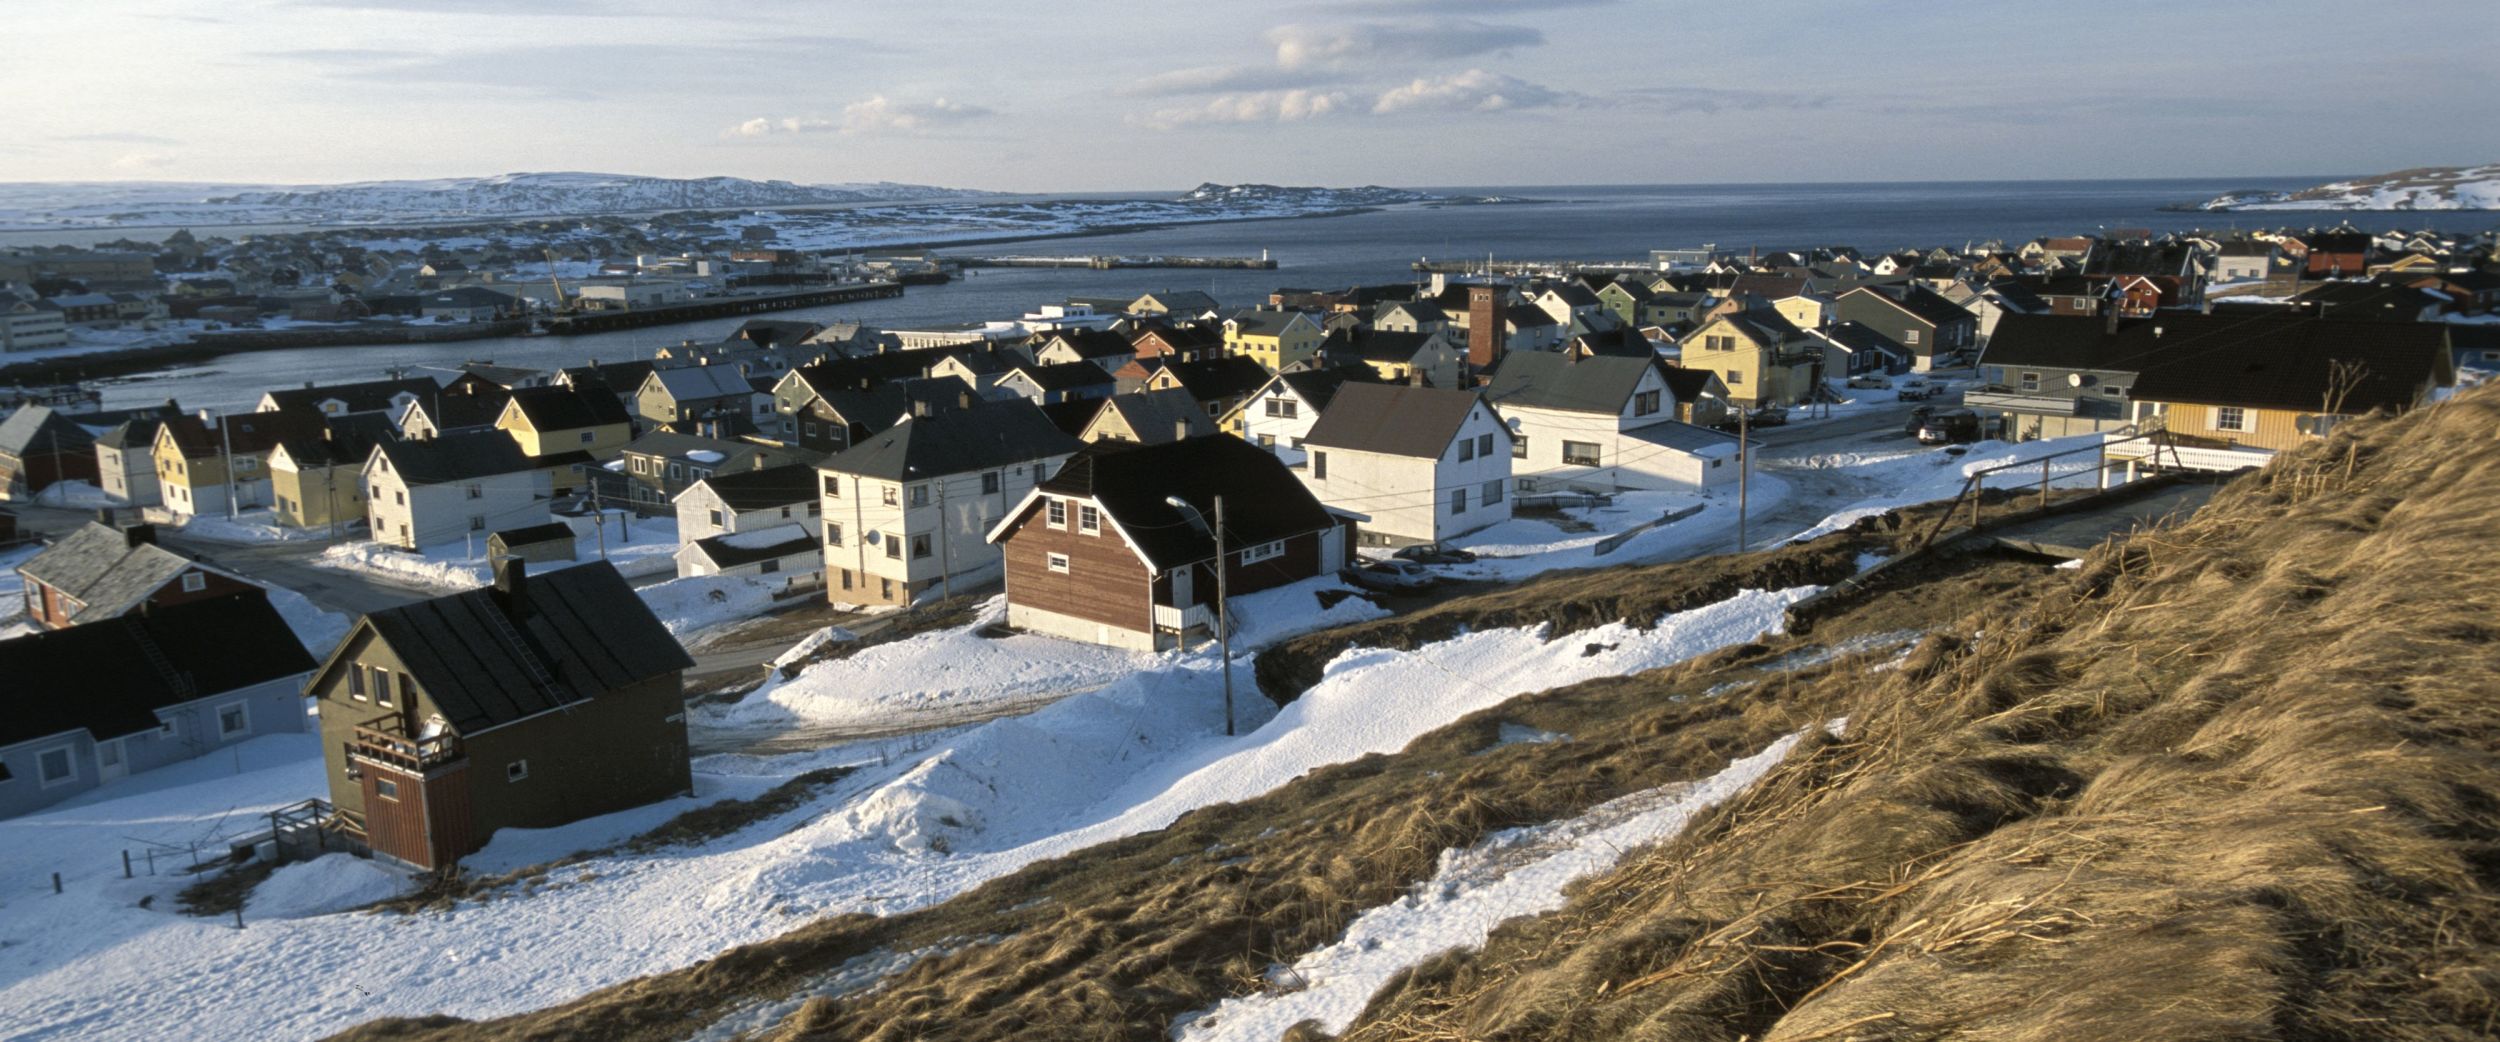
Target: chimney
1484, 327
1180, 429
512, 585
139, 535
104, 516
963, 399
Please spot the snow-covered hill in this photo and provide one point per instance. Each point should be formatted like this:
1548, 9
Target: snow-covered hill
1255, 195
110, 204
2426, 188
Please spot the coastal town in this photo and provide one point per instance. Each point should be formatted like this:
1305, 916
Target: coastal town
507, 614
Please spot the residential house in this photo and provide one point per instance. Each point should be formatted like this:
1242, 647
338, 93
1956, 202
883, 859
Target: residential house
2341, 253
659, 466
906, 510
453, 413
1567, 302
1410, 316
548, 421
1437, 358
1855, 349
1603, 423
537, 544
2253, 385
621, 379
1411, 464
1624, 299
1700, 398
789, 554
101, 572
207, 463
1148, 418
1100, 347
1279, 415
421, 494
1177, 343
535, 702
2051, 376
1184, 303
125, 462
1274, 338
748, 500
1759, 356
387, 397
91, 704
41, 446
714, 401
1218, 384
1050, 384
316, 477
31, 325
1101, 553
1932, 328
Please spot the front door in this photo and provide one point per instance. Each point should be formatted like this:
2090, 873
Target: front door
1182, 588
110, 763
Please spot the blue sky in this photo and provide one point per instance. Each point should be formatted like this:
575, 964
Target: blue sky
1079, 95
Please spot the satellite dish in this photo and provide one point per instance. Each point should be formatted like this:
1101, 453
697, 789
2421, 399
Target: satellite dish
2076, 379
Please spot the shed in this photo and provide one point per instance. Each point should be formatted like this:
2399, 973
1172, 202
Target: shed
553, 541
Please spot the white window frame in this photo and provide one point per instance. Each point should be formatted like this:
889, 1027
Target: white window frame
2238, 417
386, 788
220, 716
1263, 551
1056, 562
194, 582
69, 765
517, 770
1055, 513
1089, 519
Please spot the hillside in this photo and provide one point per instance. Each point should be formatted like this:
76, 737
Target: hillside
109, 204
2222, 781
2426, 188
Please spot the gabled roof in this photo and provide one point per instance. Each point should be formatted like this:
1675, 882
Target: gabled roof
582, 627
1393, 419
1087, 343
1574, 294
452, 412
1687, 384
1318, 387
566, 408
2067, 342
369, 396
1552, 380
528, 535
1266, 321
1184, 301
1918, 302
1213, 379
107, 569
458, 456
129, 434
343, 440
986, 435
1527, 316
1379, 345
112, 675
702, 381
245, 433
1263, 500
1155, 416
1066, 376
732, 549
785, 485
617, 377
2287, 362
1858, 337
37, 430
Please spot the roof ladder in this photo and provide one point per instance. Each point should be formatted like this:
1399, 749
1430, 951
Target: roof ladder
528, 656
179, 681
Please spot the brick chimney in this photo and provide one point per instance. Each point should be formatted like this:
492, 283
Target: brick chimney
1484, 327
139, 535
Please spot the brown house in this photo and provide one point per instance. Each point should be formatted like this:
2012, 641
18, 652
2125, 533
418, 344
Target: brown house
1098, 553
531, 703
1179, 343
102, 572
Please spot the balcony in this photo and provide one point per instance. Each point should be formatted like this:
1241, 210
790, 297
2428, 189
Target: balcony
2008, 399
383, 740
1182, 620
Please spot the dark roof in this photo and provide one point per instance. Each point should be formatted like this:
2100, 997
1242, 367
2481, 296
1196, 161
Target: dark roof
1213, 379
1396, 419
527, 535
1378, 345
759, 489
1317, 387
370, 396
986, 435
1527, 315
1191, 339
106, 569
2286, 362
566, 408
617, 377
1188, 301
1552, 380
697, 382
1074, 415
732, 549
582, 627
451, 412
1066, 376
1266, 321
1088, 343
1920, 302
246, 433
347, 440
2367, 300
1859, 337
1263, 500
1686, 384
775, 331
1619, 342
2067, 342
111, 676
130, 434
456, 457
38, 430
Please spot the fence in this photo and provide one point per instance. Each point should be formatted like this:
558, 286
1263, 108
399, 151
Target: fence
2090, 466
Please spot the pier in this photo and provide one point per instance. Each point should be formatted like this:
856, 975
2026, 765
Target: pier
728, 307
1262, 262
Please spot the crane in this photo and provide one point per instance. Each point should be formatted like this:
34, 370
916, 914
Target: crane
552, 280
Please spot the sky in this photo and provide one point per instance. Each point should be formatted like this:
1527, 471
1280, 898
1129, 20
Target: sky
1098, 95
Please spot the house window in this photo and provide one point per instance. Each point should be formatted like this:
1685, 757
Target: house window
1645, 403
381, 687
715, 515
1089, 520
833, 487
586, 437
1492, 492
833, 534
1458, 501
386, 788
1519, 446
919, 547
477, 523
1319, 465
1058, 513
920, 495
399, 497
517, 770
890, 495
1267, 441
770, 567
1909, 337
893, 547
1580, 453
356, 683
1484, 444
2230, 418
54, 767
677, 472
1059, 563
989, 483
1735, 378
194, 582
1466, 449
233, 718
2031, 381
1263, 551
1283, 408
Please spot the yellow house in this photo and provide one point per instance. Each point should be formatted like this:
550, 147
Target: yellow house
1758, 355
196, 455
2265, 385
316, 482
1274, 339
551, 420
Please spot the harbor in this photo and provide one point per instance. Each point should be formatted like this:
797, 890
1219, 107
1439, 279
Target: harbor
1262, 262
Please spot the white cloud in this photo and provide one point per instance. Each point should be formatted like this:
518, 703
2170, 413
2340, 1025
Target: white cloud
876, 115
1366, 43
1474, 90
1267, 106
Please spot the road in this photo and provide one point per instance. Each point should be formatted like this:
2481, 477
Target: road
287, 565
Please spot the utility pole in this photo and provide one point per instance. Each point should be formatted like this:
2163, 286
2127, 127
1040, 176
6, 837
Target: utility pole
1223, 614
1744, 473
225, 434
946, 547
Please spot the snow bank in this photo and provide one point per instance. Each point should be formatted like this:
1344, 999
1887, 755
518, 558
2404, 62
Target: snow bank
250, 526
1928, 475
319, 630
690, 606
1523, 548
330, 883
448, 568
1512, 873
74, 495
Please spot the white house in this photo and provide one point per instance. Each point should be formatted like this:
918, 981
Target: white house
1279, 416
429, 493
125, 462
1411, 464
748, 500
1603, 423
789, 551
908, 510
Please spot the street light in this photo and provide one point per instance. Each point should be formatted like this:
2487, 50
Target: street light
1223, 616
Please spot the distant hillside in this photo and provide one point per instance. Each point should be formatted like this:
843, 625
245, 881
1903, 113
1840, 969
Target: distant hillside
2425, 188
116, 204
1269, 195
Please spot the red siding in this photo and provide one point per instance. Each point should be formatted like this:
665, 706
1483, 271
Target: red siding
1105, 581
428, 824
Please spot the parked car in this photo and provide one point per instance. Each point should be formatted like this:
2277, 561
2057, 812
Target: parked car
1766, 416
1918, 419
1949, 426
1917, 390
1390, 576
1870, 382
1427, 554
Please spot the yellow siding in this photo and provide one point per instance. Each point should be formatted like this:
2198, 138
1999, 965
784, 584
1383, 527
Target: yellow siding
2273, 428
